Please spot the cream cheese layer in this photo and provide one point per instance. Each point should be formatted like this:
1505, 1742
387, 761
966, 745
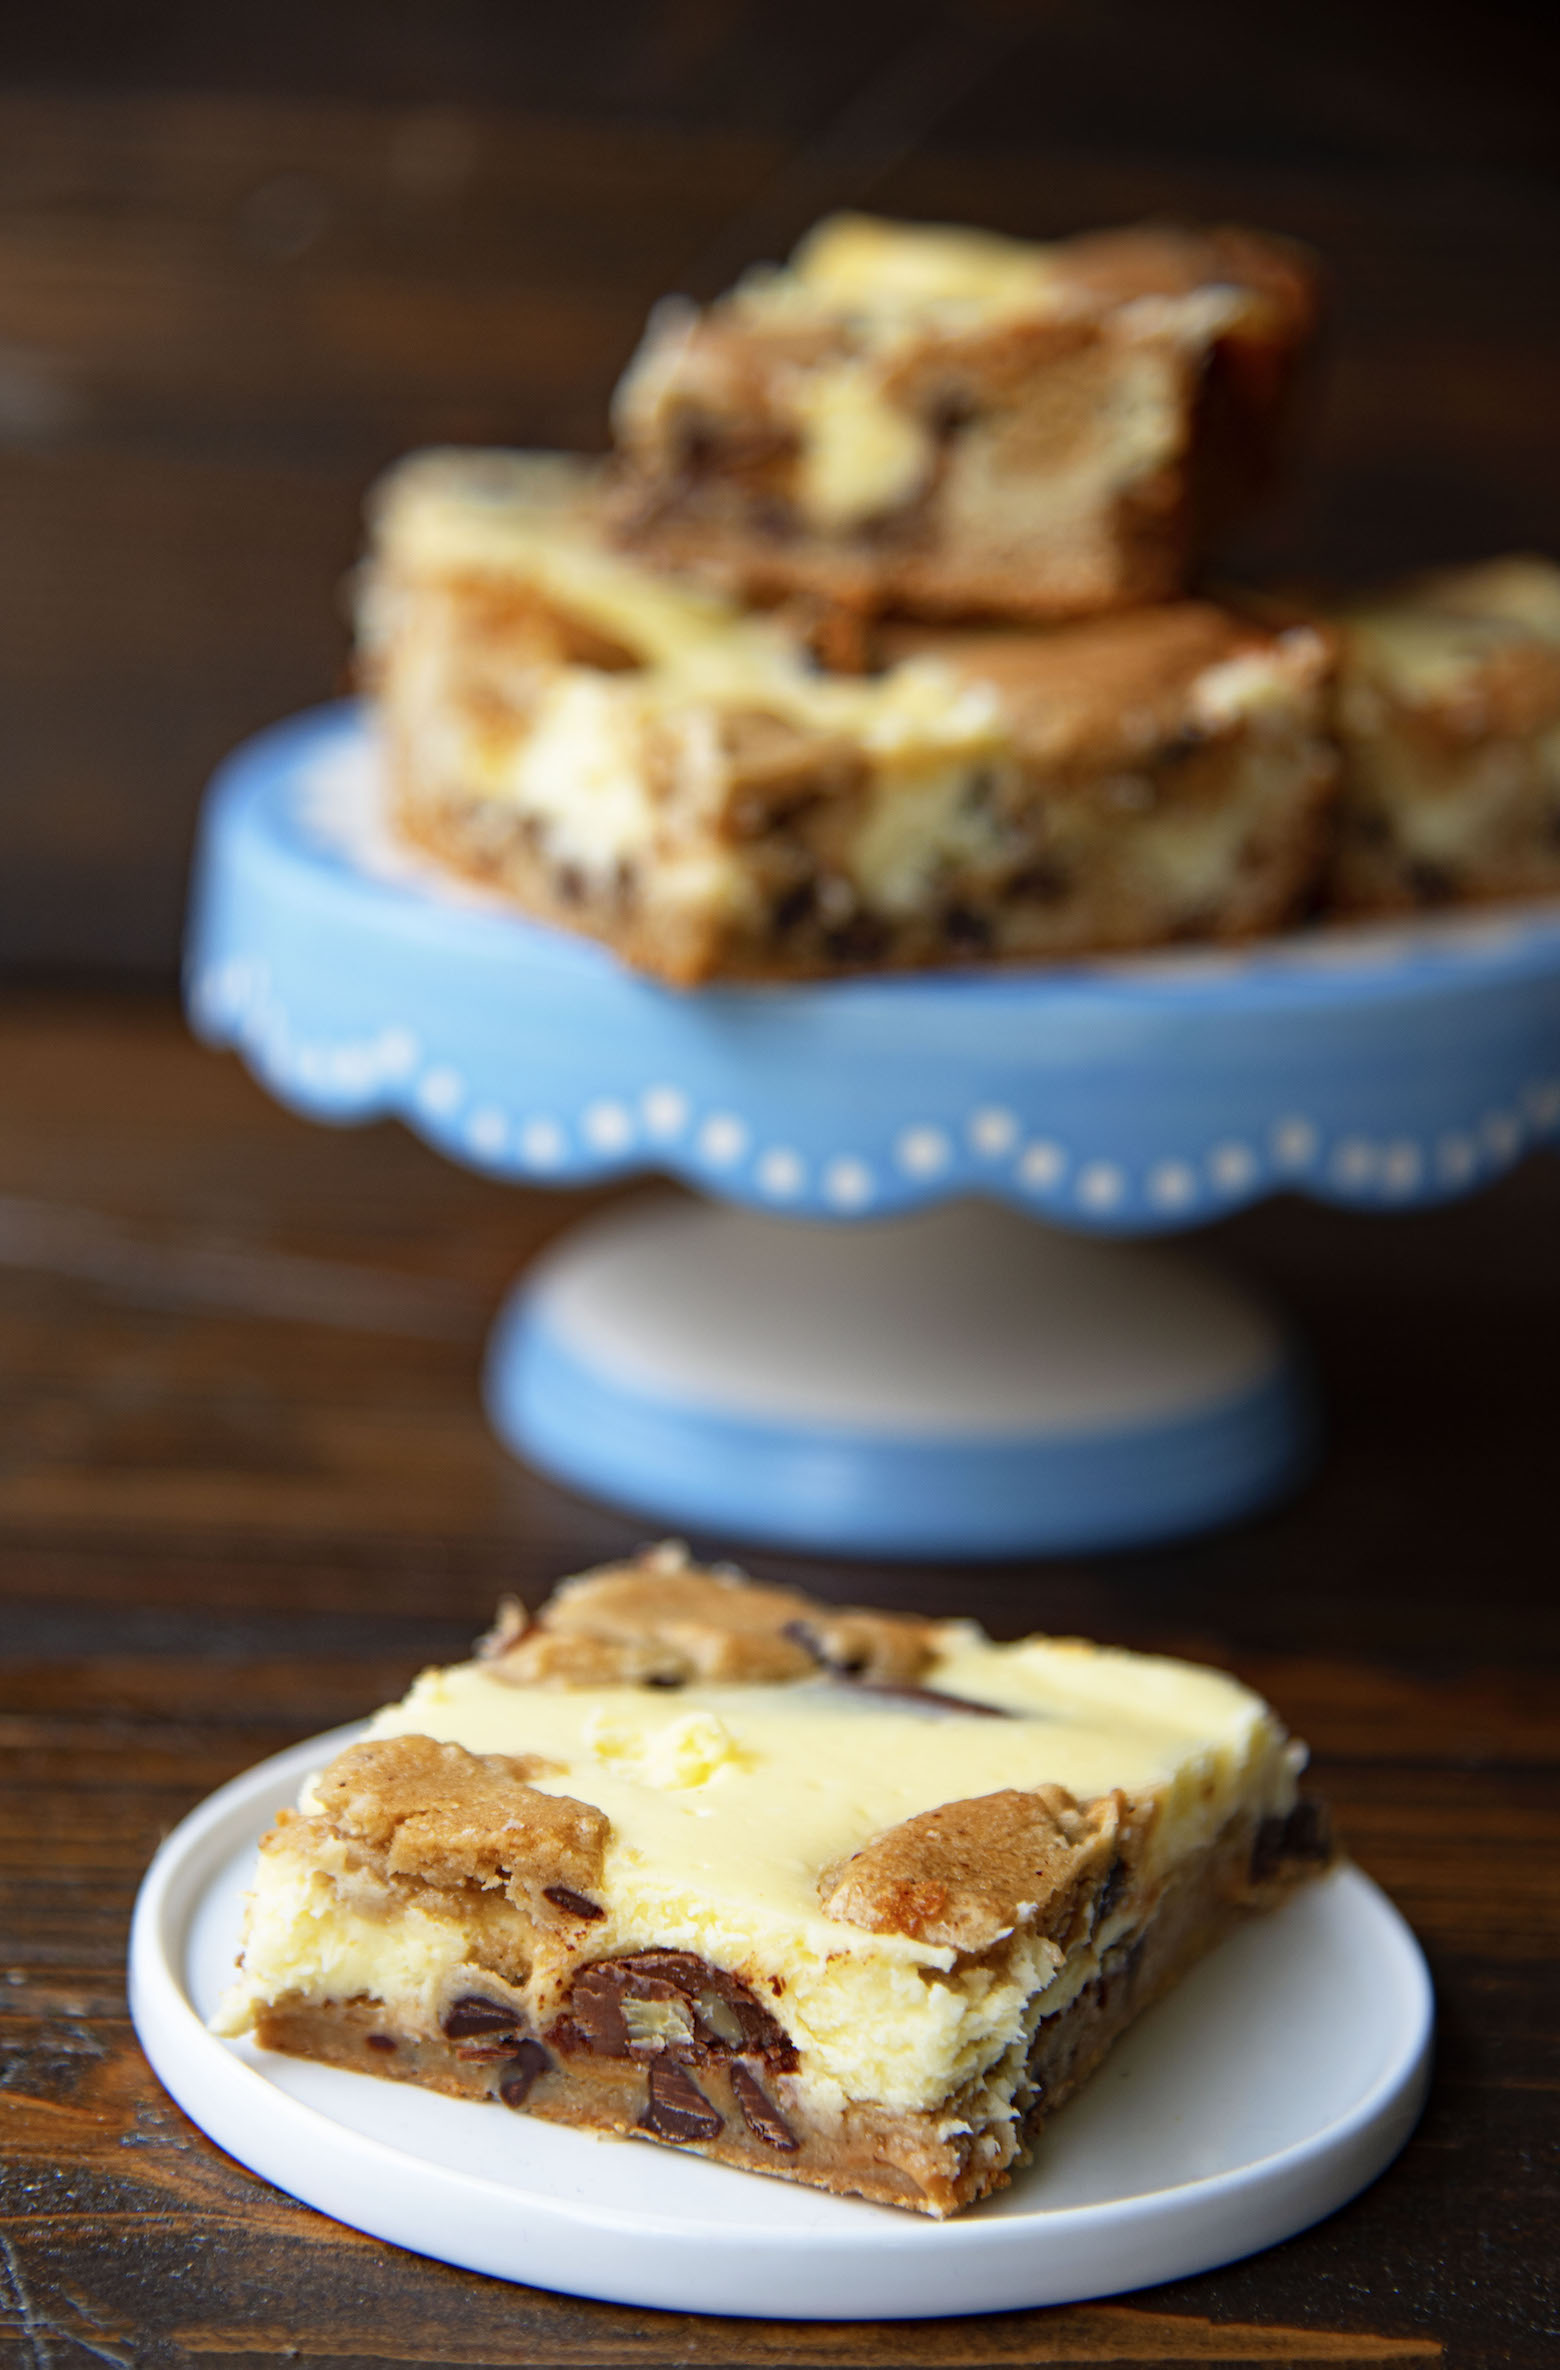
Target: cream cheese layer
727, 1802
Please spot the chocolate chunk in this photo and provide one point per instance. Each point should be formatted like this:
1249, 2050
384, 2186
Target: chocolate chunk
794, 907
573, 1904
528, 2062
595, 2003
1044, 882
1431, 883
472, 2014
839, 1666
964, 928
1111, 1890
1183, 744
677, 2108
763, 2118
860, 940
1118, 1971
723, 2015
932, 1698
379, 2041
1308, 1831
1305, 1835
853, 1667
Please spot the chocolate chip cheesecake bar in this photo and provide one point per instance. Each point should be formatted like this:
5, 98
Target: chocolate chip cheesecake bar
1449, 721
631, 755
954, 424
851, 1898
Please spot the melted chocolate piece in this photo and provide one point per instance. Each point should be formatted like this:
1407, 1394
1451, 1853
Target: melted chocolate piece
839, 1666
762, 2116
932, 1697
1305, 1835
722, 2015
966, 929
380, 2041
1431, 883
527, 2064
1111, 1890
677, 2108
572, 1904
849, 1668
472, 2014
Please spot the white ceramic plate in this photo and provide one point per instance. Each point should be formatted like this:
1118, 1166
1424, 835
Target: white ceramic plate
1279, 2079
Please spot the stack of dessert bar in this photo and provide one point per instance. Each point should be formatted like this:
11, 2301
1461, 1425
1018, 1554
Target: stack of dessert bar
874, 642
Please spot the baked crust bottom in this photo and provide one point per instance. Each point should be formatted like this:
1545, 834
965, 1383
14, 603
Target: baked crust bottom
742, 2111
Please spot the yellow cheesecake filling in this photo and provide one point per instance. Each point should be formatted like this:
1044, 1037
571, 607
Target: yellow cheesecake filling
727, 1802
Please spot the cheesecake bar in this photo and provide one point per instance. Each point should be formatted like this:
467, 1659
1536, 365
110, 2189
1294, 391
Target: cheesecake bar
1449, 724
855, 1899
953, 424
634, 756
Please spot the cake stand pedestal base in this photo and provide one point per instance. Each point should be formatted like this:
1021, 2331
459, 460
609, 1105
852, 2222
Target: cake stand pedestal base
962, 1382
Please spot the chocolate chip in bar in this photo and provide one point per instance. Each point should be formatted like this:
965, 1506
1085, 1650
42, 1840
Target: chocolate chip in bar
931, 1699
1305, 1836
572, 1904
677, 2108
762, 2116
473, 2014
522, 2070
722, 2013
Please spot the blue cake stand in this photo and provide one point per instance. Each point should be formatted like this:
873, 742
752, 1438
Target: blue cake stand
988, 1369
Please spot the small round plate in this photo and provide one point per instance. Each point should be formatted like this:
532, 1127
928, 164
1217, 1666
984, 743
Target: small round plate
1283, 2075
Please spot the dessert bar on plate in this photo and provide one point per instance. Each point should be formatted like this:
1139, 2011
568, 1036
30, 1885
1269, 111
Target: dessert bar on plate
955, 424
1449, 721
854, 1899
634, 756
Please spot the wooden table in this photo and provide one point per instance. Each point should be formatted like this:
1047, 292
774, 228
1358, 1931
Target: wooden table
245, 1492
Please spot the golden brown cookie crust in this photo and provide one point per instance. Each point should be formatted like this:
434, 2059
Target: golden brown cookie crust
661, 1620
970, 1874
441, 1816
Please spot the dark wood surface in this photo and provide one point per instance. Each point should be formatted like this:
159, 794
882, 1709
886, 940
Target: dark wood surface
249, 254
245, 1492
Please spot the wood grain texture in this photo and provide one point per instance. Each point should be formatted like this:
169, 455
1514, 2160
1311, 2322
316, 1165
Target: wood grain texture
225, 1525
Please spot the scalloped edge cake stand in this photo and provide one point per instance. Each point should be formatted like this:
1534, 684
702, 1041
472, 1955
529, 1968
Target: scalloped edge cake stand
958, 1381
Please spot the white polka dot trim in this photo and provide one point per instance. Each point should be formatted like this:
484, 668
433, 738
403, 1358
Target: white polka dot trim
1172, 1185
722, 1139
607, 1127
986, 1146
848, 1183
781, 1173
487, 1131
1233, 1167
1042, 1165
1295, 1142
923, 1151
543, 1143
440, 1091
993, 1131
1101, 1185
666, 1110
